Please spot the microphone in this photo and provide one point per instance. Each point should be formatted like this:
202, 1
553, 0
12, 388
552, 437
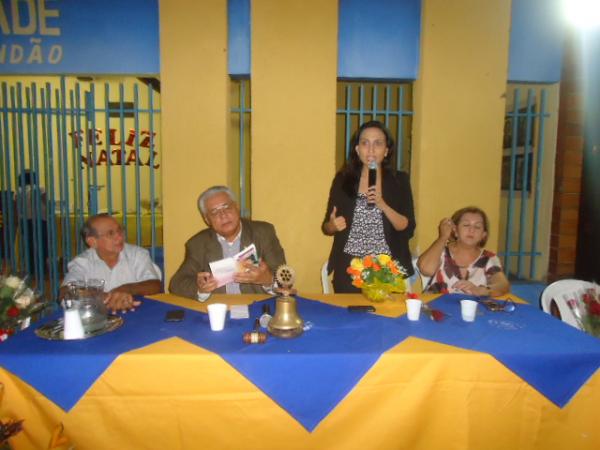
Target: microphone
372, 179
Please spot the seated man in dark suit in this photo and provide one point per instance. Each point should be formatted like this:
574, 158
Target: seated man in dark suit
226, 236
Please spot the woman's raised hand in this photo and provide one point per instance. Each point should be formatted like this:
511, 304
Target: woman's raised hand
336, 223
446, 228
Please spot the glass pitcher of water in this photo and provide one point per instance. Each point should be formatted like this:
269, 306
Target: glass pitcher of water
88, 298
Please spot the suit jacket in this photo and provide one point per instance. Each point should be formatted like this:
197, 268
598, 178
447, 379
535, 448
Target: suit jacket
203, 248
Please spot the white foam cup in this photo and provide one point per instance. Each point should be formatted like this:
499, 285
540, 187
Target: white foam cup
468, 309
413, 307
216, 315
73, 328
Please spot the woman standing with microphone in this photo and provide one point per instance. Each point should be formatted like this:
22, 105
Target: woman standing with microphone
370, 207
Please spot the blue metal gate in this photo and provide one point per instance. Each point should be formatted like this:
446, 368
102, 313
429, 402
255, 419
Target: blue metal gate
525, 182
70, 149
390, 103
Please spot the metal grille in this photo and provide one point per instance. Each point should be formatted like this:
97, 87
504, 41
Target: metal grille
240, 131
523, 177
70, 149
390, 103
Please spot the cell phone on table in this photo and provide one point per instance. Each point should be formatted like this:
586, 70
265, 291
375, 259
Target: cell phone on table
361, 308
174, 315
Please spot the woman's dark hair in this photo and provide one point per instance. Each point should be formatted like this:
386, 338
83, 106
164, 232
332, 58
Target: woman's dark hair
353, 166
473, 210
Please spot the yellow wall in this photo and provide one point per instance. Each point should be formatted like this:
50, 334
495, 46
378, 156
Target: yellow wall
459, 109
294, 67
194, 83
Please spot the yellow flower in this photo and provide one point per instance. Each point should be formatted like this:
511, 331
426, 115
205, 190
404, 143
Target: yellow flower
357, 264
383, 259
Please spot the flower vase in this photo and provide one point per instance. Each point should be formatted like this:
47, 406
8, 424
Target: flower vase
377, 292
592, 328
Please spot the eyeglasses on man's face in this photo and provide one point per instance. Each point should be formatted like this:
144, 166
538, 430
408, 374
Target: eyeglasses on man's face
225, 208
111, 234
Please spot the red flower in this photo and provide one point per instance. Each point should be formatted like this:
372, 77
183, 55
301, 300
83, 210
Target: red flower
412, 295
13, 311
437, 315
594, 308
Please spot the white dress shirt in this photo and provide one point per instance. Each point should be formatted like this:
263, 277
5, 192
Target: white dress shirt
134, 265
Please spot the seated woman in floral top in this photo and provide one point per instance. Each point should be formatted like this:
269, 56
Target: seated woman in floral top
457, 261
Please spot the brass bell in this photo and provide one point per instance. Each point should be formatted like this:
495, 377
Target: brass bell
286, 322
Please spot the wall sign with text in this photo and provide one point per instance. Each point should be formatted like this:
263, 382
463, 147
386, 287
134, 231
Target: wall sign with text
75, 37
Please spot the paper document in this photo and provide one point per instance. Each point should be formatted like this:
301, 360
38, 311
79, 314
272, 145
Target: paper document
224, 269
239, 312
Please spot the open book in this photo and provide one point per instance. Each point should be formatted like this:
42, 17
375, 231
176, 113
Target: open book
224, 269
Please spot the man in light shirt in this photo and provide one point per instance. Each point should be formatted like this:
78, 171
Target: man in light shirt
227, 234
126, 269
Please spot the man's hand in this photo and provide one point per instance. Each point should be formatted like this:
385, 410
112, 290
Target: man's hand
206, 282
117, 301
251, 274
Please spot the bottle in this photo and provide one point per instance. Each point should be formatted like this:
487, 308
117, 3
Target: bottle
265, 318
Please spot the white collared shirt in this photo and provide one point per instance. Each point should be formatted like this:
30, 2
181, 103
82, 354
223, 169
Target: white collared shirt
228, 249
134, 265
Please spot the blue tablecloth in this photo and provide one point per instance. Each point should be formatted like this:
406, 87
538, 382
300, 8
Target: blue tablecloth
328, 360
554, 358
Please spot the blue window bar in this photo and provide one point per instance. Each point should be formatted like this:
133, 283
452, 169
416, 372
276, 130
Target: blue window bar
523, 179
58, 167
390, 103
240, 131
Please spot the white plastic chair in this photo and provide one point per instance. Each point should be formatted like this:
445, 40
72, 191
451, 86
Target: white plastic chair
158, 271
327, 289
424, 281
560, 291
410, 281
424, 278
160, 276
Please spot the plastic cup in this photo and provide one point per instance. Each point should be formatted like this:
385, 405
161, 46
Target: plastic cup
216, 315
73, 328
468, 310
413, 307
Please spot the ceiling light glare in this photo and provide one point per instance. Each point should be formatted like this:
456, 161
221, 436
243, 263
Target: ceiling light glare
582, 13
